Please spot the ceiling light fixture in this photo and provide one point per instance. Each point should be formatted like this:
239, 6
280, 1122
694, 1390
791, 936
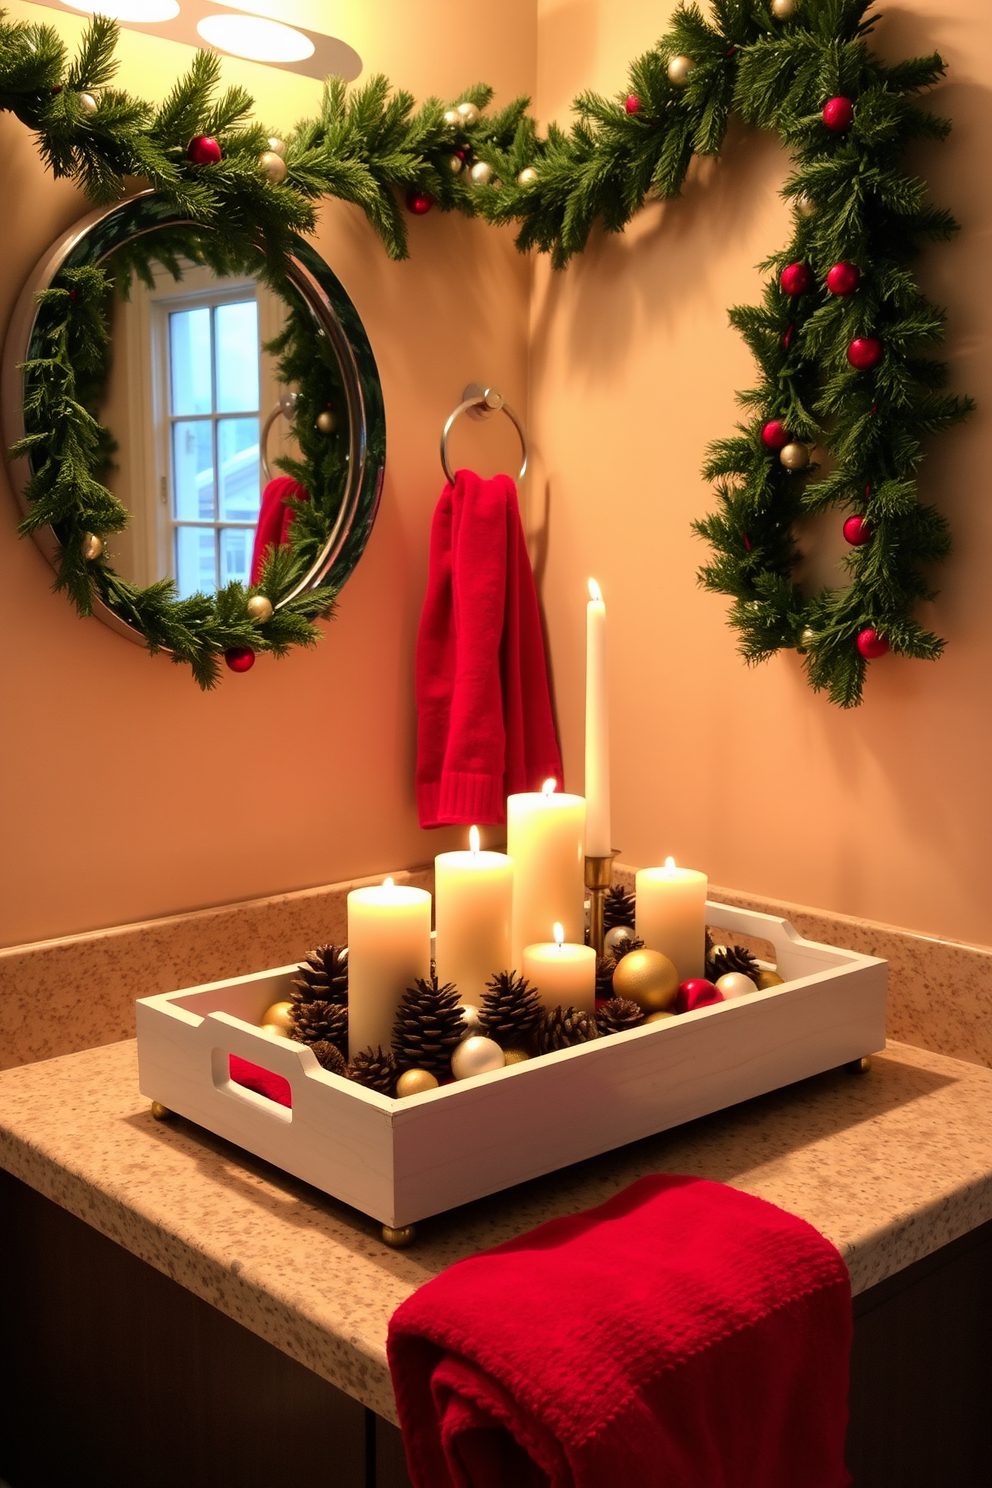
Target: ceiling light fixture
214, 26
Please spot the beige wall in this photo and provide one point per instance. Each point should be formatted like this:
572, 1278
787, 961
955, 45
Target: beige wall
124, 791
883, 811
127, 794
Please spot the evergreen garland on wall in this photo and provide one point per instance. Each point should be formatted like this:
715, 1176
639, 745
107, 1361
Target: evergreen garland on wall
841, 338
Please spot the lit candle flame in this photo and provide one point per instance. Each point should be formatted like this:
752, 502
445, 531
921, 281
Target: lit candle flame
595, 593
549, 787
669, 865
559, 935
474, 840
387, 883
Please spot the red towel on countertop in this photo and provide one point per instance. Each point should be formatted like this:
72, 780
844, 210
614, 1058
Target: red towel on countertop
681, 1335
274, 519
484, 723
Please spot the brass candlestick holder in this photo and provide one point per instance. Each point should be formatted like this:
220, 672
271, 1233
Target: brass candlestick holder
599, 876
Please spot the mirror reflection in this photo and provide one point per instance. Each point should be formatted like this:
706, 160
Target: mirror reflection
188, 393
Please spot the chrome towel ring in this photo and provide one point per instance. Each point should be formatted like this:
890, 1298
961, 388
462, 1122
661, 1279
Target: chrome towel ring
285, 406
481, 403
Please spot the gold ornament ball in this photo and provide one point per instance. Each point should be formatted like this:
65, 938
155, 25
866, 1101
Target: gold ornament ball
784, 10
452, 118
455, 164
401, 1237
515, 1056
527, 176
92, 546
647, 978
769, 979
272, 166
794, 456
326, 422
468, 113
87, 103
805, 206
734, 984
160, 1112
481, 173
476, 1056
415, 1082
659, 1017
279, 1017
277, 146
259, 608
679, 69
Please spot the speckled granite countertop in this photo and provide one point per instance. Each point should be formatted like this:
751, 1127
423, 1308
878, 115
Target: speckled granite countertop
890, 1165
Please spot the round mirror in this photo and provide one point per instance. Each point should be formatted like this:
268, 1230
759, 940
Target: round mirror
198, 431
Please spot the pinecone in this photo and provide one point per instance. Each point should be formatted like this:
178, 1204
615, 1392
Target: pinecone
623, 947
722, 959
323, 976
618, 1015
561, 1028
604, 976
321, 1022
510, 1009
428, 1026
618, 907
329, 1057
376, 1069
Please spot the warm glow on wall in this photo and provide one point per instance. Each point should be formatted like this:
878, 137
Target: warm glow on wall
130, 10
253, 37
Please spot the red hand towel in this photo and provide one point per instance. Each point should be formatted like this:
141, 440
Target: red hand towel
485, 727
274, 520
683, 1335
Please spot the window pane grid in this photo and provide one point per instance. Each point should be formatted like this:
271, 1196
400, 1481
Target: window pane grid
214, 442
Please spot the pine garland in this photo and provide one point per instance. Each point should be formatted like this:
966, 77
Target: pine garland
855, 204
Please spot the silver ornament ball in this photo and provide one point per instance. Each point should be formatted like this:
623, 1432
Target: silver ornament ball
784, 10
455, 164
259, 608
326, 422
808, 637
527, 176
617, 936
452, 118
272, 166
277, 146
476, 1056
92, 546
734, 984
805, 205
679, 69
470, 1019
481, 173
468, 113
88, 103
794, 456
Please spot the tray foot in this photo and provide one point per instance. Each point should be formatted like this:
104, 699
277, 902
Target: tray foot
859, 1066
399, 1238
160, 1112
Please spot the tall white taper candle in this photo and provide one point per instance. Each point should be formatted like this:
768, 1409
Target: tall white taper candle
598, 844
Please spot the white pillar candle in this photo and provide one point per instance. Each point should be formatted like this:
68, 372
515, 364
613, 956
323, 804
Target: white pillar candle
671, 915
545, 837
389, 946
598, 843
564, 975
473, 901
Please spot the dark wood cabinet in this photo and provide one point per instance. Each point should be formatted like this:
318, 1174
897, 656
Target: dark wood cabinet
117, 1376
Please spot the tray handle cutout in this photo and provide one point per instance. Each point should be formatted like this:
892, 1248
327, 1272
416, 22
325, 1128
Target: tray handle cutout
226, 1036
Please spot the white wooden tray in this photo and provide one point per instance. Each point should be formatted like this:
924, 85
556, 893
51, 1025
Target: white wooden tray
401, 1160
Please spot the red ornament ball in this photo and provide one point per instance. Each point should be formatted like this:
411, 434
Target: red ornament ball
796, 279
857, 531
775, 435
240, 658
843, 278
864, 352
838, 114
697, 992
203, 150
632, 104
871, 644
419, 202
